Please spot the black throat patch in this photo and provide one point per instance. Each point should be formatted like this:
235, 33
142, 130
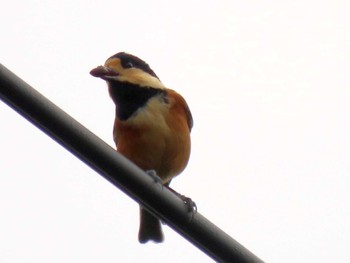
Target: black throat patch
128, 97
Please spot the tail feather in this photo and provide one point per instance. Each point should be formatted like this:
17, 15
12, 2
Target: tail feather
150, 228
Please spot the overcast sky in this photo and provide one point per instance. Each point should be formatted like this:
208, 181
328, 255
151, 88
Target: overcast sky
268, 86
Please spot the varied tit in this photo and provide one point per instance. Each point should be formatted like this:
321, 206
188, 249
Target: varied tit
152, 125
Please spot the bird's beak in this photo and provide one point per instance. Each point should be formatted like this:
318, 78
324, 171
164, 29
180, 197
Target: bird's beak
104, 73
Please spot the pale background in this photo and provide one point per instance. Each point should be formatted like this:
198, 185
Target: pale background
269, 89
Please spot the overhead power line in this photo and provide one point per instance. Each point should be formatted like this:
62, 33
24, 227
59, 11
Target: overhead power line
119, 171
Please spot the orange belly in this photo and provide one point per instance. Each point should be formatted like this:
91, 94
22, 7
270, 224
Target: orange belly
161, 143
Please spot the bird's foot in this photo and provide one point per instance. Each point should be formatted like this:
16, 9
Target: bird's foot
153, 174
190, 204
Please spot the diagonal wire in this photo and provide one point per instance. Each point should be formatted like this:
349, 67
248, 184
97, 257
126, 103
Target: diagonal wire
119, 171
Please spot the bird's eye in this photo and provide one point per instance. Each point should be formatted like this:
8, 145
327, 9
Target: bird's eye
129, 65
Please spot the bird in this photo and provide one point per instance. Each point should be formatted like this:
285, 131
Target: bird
152, 125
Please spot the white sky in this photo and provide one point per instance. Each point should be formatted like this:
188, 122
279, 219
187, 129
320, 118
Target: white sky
269, 89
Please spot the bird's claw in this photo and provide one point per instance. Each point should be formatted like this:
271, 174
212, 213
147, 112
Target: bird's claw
153, 174
190, 204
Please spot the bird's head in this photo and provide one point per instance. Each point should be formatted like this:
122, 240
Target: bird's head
126, 68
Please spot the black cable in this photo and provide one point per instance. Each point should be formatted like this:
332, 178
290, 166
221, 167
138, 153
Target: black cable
119, 171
